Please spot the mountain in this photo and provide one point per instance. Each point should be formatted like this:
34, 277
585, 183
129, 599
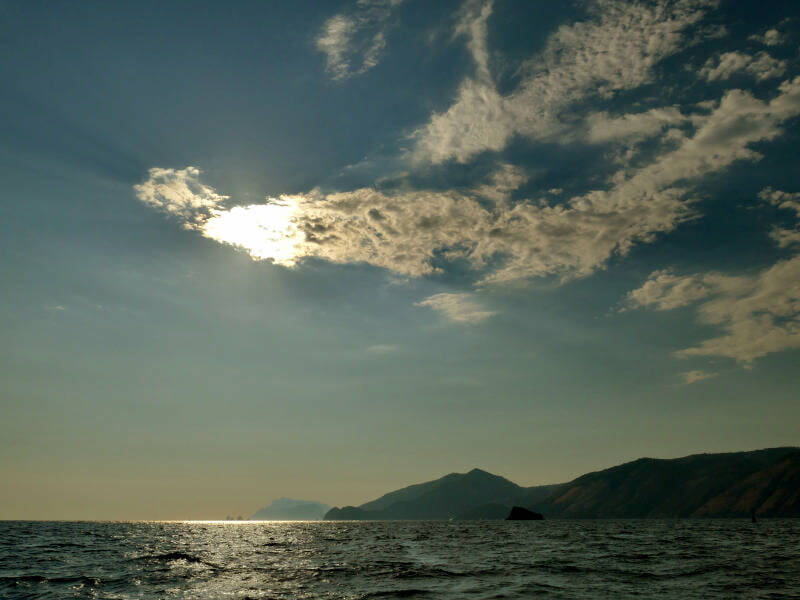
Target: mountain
288, 509
702, 485
444, 498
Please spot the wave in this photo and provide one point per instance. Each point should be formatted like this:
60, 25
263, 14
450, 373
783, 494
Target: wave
404, 593
175, 556
23, 579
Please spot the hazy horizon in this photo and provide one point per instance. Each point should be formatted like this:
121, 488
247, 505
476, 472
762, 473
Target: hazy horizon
326, 250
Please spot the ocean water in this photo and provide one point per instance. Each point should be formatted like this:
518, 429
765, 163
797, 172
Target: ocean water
427, 559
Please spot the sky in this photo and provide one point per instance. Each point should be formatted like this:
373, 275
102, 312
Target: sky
325, 250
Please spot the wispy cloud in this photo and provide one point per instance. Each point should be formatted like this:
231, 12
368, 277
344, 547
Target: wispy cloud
265, 231
783, 236
605, 128
758, 314
761, 66
616, 49
380, 349
406, 231
353, 41
503, 237
781, 199
458, 307
472, 23
690, 377
180, 193
771, 37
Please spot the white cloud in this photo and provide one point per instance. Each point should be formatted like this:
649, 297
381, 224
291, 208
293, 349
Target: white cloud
782, 236
380, 349
761, 66
784, 200
458, 307
758, 314
690, 377
180, 193
664, 290
405, 231
265, 231
580, 236
614, 50
605, 128
354, 41
771, 37
785, 237
472, 23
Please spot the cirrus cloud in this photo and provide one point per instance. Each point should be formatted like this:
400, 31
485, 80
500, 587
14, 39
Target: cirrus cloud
353, 41
458, 307
408, 231
615, 49
690, 377
758, 314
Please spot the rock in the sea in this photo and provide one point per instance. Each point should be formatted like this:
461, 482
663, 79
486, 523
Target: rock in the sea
518, 513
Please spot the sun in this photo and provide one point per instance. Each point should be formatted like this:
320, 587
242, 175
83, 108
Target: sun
265, 231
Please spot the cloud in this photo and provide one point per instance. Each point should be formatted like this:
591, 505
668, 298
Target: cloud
771, 37
616, 49
380, 349
354, 41
785, 237
665, 290
180, 193
265, 231
758, 314
458, 307
410, 231
761, 66
784, 200
605, 128
690, 377
472, 23
782, 236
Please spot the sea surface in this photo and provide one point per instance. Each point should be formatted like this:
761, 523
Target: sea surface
402, 559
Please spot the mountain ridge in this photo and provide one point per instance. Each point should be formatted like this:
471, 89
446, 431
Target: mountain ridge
730, 484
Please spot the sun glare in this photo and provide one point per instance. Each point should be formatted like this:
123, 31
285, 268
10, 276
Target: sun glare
265, 231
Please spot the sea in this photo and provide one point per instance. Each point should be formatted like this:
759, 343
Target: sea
725, 558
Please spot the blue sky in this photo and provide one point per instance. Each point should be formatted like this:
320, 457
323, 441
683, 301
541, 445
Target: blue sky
323, 250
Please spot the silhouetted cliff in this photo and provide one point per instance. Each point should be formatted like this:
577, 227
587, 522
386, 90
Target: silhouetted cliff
702, 485
445, 498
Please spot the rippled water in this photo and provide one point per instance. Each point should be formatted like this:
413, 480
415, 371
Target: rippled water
434, 559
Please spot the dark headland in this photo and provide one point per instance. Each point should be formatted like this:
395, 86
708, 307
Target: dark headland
520, 513
735, 484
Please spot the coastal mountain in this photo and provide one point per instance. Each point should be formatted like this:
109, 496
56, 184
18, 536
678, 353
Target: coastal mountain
289, 509
452, 496
702, 485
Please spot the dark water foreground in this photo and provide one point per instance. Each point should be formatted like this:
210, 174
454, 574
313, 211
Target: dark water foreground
434, 559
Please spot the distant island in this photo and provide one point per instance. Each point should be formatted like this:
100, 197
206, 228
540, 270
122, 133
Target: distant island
735, 484
289, 509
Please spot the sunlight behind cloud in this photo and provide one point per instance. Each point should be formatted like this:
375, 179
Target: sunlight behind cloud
265, 231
